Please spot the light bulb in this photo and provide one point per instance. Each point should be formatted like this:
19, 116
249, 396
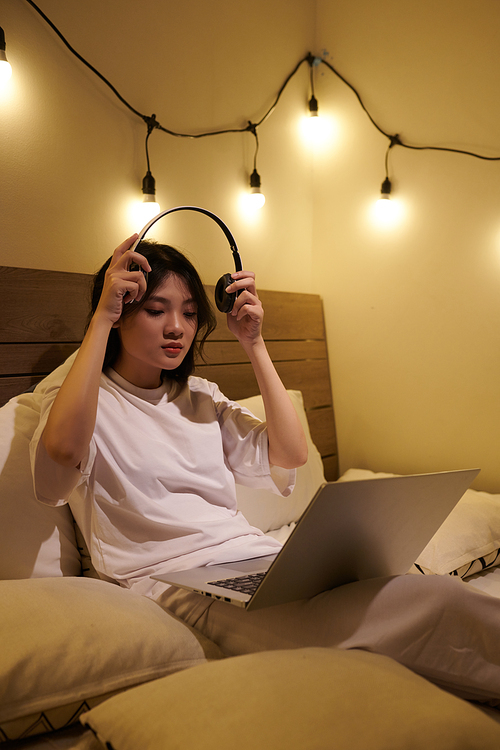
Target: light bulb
316, 131
5, 66
385, 190
313, 122
383, 209
142, 212
386, 213
149, 208
313, 107
150, 205
255, 198
5, 70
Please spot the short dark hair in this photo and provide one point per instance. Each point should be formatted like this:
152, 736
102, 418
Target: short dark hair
164, 261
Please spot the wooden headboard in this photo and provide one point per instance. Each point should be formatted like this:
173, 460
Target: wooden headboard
43, 319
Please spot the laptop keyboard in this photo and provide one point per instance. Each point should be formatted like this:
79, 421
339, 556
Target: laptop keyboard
243, 584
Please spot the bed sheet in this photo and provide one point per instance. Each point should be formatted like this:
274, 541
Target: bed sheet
488, 581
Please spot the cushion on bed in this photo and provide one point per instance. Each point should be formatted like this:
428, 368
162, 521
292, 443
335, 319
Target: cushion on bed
266, 510
312, 698
35, 541
467, 542
68, 643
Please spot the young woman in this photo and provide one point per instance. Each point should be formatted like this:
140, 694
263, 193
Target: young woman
147, 457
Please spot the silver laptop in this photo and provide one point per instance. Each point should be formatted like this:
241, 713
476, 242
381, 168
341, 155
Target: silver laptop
350, 531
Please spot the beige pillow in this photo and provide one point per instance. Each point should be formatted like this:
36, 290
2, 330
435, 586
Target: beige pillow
314, 698
263, 508
68, 643
35, 541
466, 543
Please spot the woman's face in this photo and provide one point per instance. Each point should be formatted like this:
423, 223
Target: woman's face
159, 335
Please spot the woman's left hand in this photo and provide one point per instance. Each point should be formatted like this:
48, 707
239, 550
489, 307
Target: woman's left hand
245, 319
287, 442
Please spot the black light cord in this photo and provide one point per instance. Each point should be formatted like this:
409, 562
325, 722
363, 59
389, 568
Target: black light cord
311, 79
395, 140
283, 87
152, 123
82, 59
151, 126
386, 161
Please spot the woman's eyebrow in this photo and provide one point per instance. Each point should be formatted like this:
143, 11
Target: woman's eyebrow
166, 301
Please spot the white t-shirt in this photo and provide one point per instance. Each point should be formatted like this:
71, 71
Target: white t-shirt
156, 491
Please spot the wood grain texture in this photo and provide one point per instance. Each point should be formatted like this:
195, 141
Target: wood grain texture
43, 306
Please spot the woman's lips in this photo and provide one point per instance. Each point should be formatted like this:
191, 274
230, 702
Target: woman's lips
172, 348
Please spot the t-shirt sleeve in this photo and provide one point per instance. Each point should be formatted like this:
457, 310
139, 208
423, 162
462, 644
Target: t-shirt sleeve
53, 484
246, 449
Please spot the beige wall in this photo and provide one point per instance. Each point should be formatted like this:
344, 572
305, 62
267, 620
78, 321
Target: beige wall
73, 157
412, 313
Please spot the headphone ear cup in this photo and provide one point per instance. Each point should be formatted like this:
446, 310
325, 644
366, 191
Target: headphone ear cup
223, 300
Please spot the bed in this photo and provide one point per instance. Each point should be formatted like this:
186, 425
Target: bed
74, 646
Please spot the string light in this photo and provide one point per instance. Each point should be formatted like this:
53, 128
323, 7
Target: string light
316, 129
385, 190
252, 127
255, 198
386, 211
313, 117
5, 66
149, 206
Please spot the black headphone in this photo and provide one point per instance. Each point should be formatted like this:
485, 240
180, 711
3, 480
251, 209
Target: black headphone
223, 300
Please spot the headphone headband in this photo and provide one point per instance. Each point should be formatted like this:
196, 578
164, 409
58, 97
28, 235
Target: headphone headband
223, 299
214, 217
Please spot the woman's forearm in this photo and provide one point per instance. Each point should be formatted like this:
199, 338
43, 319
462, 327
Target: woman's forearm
287, 442
71, 421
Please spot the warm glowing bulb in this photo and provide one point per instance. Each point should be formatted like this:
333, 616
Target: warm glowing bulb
250, 204
316, 131
386, 212
255, 199
145, 211
5, 67
5, 71
384, 206
149, 208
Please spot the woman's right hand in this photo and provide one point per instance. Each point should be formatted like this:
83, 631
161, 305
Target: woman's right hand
122, 286
71, 422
